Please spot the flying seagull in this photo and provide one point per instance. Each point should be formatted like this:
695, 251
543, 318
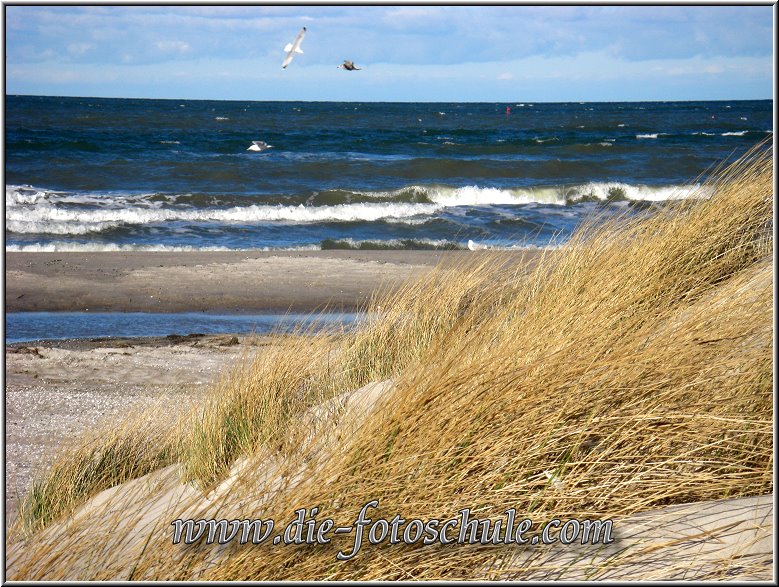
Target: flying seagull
349, 66
293, 47
259, 146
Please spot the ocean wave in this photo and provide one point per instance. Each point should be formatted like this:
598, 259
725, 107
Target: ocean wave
391, 244
24, 226
559, 195
426, 244
738, 133
65, 247
25, 196
415, 221
327, 244
623, 191
53, 220
35, 211
448, 196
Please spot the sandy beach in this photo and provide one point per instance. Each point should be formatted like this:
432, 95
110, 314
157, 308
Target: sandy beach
58, 390
233, 281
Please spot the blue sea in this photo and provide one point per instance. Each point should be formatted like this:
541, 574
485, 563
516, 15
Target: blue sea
33, 326
88, 174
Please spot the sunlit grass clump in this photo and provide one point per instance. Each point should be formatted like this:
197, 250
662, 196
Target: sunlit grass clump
628, 370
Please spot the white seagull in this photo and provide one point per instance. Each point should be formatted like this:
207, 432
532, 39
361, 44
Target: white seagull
259, 146
294, 47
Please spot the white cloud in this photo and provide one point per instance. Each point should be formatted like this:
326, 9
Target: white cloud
179, 47
77, 49
506, 75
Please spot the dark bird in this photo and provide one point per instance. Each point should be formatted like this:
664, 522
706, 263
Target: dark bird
349, 66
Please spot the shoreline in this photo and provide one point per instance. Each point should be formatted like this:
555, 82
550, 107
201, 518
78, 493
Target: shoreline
233, 282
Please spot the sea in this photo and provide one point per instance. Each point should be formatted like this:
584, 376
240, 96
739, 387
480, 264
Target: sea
94, 174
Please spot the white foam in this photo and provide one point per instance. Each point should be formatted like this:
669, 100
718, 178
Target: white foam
54, 227
393, 243
34, 211
22, 195
603, 190
446, 196
65, 247
647, 136
27, 195
69, 221
739, 133
409, 221
561, 195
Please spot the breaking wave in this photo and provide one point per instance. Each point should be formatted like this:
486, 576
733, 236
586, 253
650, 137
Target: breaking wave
37, 211
66, 247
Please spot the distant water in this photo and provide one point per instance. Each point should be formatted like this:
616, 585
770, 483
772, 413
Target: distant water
27, 326
111, 174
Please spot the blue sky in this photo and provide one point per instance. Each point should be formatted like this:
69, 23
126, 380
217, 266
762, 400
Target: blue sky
409, 53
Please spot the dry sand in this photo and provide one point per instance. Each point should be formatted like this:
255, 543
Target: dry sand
56, 391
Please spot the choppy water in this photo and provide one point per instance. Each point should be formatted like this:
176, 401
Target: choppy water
108, 174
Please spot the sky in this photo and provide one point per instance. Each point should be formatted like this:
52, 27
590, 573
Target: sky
408, 53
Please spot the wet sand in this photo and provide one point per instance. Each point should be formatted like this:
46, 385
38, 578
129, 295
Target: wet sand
233, 281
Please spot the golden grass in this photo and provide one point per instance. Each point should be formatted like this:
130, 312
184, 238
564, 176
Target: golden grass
108, 456
628, 370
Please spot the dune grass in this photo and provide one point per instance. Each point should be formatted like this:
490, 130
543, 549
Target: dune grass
256, 404
114, 453
629, 369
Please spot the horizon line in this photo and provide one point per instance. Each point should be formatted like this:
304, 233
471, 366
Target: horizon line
395, 101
